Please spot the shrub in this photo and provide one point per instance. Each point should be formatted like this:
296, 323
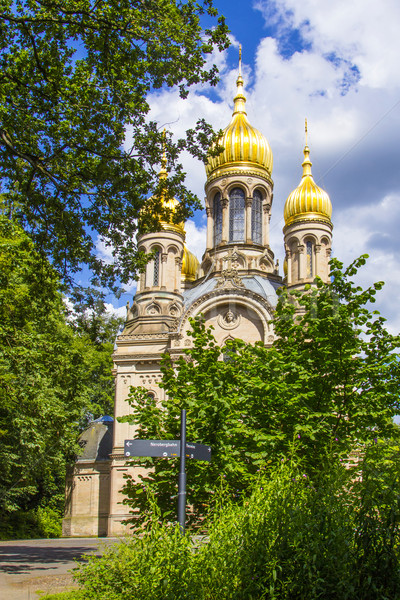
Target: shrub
333, 539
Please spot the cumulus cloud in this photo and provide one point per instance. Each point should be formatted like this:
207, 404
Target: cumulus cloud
196, 237
343, 75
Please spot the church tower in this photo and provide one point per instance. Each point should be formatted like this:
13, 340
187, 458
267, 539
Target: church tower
158, 300
307, 230
239, 198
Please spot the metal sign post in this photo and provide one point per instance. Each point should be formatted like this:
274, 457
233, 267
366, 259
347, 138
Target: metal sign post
182, 476
172, 449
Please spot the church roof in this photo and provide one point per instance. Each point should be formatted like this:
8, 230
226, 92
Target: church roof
245, 148
308, 202
260, 285
96, 440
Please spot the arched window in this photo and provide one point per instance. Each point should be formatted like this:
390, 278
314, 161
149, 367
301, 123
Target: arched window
236, 215
309, 259
256, 218
217, 219
156, 268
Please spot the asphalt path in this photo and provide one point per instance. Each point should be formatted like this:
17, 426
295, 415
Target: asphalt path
29, 568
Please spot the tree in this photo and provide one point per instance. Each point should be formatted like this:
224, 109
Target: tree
77, 150
328, 385
100, 329
46, 378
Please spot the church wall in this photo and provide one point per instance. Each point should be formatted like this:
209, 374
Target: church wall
87, 499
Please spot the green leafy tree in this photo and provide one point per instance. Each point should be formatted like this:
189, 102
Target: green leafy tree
77, 149
47, 379
328, 385
99, 328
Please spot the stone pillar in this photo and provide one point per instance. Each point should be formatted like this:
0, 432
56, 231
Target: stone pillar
210, 228
289, 267
302, 265
249, 202
225, 220
163, 268
317, 266
178, 273
148, 275
265, 223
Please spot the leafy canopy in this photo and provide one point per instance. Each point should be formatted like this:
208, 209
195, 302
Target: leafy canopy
76, 147
53, 377
328, 385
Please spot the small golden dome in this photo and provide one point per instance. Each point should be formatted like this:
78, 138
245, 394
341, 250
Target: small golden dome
190, 265
307, 202
170, 204
246, 150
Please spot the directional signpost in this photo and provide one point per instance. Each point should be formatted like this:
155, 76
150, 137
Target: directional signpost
166, 449
161, 448
172, 449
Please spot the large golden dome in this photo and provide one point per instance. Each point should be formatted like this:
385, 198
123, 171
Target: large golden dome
246, 150
307, 202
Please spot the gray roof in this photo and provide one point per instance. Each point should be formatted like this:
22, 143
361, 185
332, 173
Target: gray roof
266, 288
96, 441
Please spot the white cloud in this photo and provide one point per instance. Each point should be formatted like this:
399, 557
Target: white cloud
196, 238
370, 230
104, 251
113, 311
346, 81
362, 32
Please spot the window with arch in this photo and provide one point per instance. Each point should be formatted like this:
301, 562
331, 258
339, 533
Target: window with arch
156, 267
151, 397
236, 215
217, 219
309, 259
256, 218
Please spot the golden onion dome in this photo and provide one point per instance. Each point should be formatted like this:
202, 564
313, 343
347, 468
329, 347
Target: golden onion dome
170, 204
307, 202
190, 265
246, 150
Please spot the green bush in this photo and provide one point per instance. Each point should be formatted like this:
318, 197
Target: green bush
334, 539
42, 522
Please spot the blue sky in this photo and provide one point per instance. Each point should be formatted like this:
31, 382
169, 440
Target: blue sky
335, 63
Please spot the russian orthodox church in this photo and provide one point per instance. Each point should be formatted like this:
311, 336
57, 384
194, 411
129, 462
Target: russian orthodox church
234, 288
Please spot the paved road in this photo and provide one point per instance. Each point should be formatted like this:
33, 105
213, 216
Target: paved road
27, 567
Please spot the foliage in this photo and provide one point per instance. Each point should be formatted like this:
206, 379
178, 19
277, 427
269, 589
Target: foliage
77, 149
328, 385
40, 522
46, 385
289, 540
100, 328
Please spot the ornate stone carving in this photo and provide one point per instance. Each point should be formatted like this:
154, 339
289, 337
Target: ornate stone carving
230, 320
149, 379
153, 309
143, 336
174, 310
230, 278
